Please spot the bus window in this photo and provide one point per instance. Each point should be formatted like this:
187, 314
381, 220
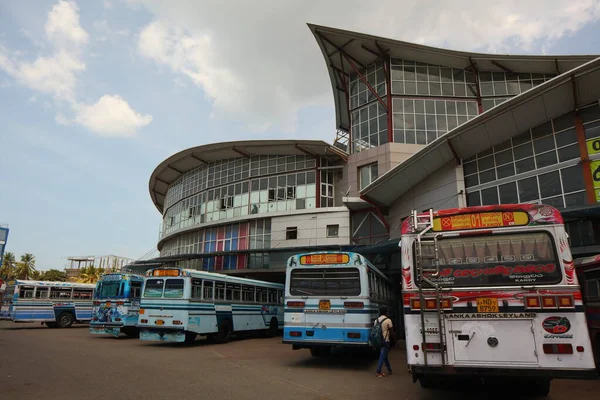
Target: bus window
248, 294
279, 297
109, 289
82, 294
174, 288
196, 289
26, 292
232, 292
208, 290
261, 295
42, 292
219, 290
154, 288
272, 296
592, 289
136, 290
60, 293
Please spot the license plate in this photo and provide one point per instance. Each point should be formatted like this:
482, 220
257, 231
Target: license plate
160, 322
324, 305
487, 305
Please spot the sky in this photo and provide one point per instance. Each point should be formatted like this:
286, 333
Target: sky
95, 94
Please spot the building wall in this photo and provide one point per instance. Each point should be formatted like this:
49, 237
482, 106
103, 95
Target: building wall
311, 228
438, 191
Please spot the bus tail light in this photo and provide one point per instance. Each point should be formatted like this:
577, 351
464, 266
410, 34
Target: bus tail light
579, 349
295, 304
354, 304
144, 321
142, 311
295, 333
120, 303
353, 335
416, 347
431, 304
549, 302
432, 346
532, 302
176, 322
559, 348
565, 301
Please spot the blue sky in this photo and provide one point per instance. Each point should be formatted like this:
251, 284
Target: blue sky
94, 95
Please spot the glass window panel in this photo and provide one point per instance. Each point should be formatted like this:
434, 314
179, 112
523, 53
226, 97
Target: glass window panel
525, 165
451, 107
410, 137
421, 137
420, 121
472, 180
441, 123
470, 168
590, 113
528, 189
508, 193
504, 157
543, 160
487, 89
409, 73
568, 153
525, 150
554, 202
575, 199
506, 171
502, 146
544, 144
473, 199
460, 90
446, 74
409, 106
461, 108
485, 76
549, 184
429, 107
485, 163
430, 122
422, 88
487, 176
488, 104
500, 88
565, 121
447, 89
452, 122
521, 138
513, 88
572, 178
567, 137
472, 108
542, 130
434, 73
592, 130
431, 136
397, 88
410, 88
399, 136
489, 196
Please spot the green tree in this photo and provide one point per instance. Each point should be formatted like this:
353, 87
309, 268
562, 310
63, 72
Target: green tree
7, 271
53, 275
89, 274
26, 267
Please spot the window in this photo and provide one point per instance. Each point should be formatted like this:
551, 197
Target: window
248, 294
60, 293
196, 289
208, 290
154, 288
82, 294
26, 292
592, 288
497, 260
136, 290
42, 292
109, 289
291, 233
367, 175
325, 282
219, 290
261, 295
272, 296
233, 292
333, 231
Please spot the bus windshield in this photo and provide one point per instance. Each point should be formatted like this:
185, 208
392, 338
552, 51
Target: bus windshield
173, 288
109, 289
496, 260
325, 282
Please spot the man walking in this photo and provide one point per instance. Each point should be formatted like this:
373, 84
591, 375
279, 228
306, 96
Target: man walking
386, 331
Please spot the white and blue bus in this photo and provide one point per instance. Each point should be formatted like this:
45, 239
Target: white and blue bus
117, 304
332, 300
179, 304
56, 304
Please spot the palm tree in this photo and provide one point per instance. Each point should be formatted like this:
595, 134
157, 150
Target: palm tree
89, 274
26, 267
7, 271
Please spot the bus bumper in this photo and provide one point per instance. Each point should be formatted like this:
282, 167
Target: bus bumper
162, 335
453, 371
105, 329
309, 344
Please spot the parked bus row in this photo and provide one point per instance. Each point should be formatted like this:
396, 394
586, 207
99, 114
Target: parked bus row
491, 292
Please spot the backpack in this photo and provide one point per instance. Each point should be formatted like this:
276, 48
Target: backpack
376, 336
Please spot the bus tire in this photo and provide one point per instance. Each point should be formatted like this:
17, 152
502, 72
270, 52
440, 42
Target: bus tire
224, 331
273, 328
50, 324
65, 320
190, 337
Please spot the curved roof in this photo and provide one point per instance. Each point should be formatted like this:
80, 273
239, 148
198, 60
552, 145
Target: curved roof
178, 164
560, 95
340, 45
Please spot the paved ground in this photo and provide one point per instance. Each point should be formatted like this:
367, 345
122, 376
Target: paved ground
38, 362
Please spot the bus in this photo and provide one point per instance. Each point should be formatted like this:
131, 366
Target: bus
55, 304
179, 304
332, 300
117, 304
491, 292
588, 274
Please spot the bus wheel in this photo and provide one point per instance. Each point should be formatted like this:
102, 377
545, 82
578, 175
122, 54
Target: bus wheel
65, 320
190, 337
50, 324
273, 328
224, 331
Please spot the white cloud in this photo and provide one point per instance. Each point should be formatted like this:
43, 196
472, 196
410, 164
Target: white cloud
110, 116
63, 27
258, 61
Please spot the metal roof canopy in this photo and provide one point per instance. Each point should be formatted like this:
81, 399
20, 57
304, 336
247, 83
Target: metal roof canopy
364, 50
178, 164
564, 93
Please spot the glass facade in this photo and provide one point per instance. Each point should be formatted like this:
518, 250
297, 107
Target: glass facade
539, 165
242, 186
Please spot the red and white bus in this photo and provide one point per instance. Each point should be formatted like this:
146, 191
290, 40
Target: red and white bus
588, 274
491, 292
